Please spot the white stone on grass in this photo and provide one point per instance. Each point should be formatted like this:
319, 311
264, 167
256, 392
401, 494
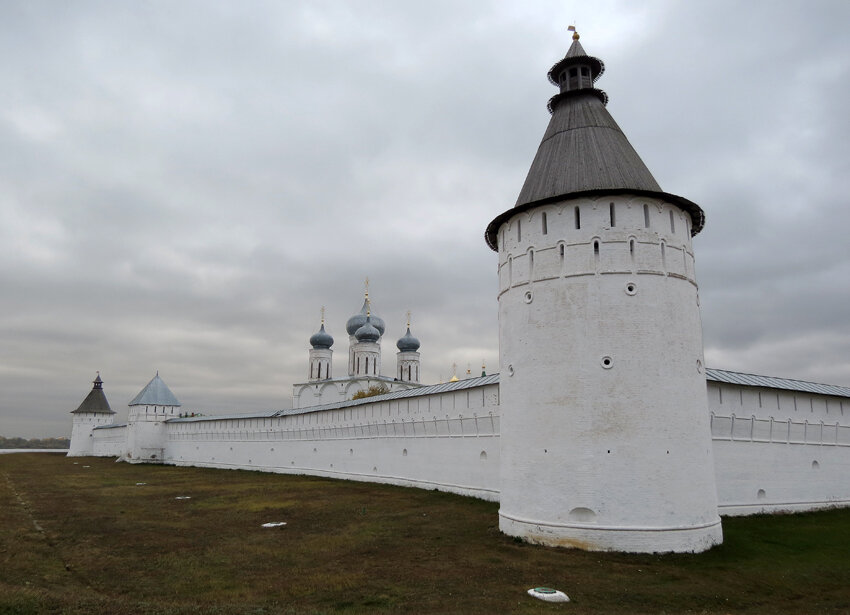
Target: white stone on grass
274, 524
183, 497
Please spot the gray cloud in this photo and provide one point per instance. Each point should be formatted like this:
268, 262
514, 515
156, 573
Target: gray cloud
183, 185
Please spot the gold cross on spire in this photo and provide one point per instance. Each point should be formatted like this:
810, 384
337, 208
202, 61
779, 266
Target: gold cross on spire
367, 287
323, 314
408, 319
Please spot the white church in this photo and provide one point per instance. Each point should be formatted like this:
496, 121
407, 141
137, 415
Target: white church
604, 429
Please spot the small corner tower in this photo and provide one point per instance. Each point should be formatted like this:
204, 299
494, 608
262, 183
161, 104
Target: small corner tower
148, 412
94, 411
407, 358
605, 441
321, 355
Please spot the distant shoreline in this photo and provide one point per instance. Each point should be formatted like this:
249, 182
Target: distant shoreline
33, 450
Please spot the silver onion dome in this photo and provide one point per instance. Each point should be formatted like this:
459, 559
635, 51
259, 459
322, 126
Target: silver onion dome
321, 339
408, 343
358, 320
368, 332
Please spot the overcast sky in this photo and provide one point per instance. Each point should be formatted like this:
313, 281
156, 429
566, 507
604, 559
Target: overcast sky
184, 184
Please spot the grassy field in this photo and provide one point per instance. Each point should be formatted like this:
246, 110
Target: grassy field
81, 536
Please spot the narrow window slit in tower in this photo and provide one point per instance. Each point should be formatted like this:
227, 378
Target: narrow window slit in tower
596, 248
578, 217
663, 257
646, 215
561, 253
672, 222
632, 247
530, 263
544, 222
519, 230
612, 215
759, 399
720, 395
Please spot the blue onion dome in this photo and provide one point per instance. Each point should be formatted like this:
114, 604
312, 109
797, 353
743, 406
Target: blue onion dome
321, 339
358, 320
408, 343
368, 332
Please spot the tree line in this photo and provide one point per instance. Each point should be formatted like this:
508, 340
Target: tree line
58, 443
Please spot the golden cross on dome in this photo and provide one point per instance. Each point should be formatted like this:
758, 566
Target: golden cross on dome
323, 314
408, 319
367, 287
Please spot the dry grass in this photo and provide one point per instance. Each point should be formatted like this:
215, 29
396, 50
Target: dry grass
89, 540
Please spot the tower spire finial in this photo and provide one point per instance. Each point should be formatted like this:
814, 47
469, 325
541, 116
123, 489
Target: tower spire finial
573, 30
408, 319
323, 314
367, 287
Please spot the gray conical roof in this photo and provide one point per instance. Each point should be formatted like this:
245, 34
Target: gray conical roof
584, 152
95, 401
583, 149
155, 393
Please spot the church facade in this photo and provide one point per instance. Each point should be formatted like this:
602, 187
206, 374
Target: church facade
604, 430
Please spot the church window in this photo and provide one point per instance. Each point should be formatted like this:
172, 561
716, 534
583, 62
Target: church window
596, 247
663, 257
573, 72
585, 72
561, 253
544, 222
672, 222
632, 248
646, 215
530, 263
367, 365
519, 230
612, 215
408, 372
357, 368
578, 217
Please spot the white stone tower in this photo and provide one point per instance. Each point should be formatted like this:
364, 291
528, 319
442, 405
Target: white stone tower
356, 322
321, 355
605, 441
148, 412
367, 349
407, 357
94, 411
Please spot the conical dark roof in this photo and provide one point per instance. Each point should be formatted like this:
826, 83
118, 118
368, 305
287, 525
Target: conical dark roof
95, 401
584, 151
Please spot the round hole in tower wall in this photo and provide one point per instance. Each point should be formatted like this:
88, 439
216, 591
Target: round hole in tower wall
607, 362
631, 288
699, 366
510, 370
528, 297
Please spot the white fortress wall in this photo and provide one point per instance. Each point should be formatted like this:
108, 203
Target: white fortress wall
109, 441
779, 450
447, 439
